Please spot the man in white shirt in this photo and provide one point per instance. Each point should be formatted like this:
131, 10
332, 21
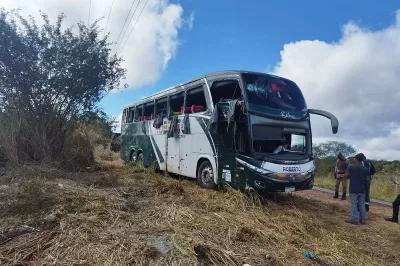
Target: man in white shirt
283, 147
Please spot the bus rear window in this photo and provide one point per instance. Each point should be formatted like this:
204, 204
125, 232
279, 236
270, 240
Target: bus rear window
273, 92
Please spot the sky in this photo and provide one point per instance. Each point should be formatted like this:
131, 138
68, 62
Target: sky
344, 55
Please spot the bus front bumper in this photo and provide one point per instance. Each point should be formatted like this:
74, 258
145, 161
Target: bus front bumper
266, 183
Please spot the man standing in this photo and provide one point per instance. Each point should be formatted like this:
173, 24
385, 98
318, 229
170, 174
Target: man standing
357, 175
395, 217
367, 183
340, 170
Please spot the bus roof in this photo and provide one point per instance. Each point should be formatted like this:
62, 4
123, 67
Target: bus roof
169, 90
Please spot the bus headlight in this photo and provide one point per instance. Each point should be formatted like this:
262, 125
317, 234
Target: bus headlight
254, 168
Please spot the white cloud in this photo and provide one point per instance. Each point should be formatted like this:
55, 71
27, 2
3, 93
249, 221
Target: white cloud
355, 78
384, 147
189, 21
153, 42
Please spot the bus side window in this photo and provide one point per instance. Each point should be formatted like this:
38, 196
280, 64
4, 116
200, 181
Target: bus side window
195, 100
161, 106
139, 113
148, 111
124, 116
176, 103
130, 113
225, 90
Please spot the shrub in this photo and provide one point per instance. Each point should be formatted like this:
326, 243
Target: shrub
78, 151
8, 139
105, 154
51, 77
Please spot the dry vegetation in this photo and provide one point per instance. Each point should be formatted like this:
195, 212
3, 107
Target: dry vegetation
122, 215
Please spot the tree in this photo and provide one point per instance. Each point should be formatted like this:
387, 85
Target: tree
49, 77
98, 125
332, 148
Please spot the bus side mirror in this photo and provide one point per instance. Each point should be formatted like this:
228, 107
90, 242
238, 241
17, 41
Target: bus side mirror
334, 120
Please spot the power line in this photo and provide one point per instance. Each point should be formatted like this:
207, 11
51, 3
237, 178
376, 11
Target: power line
90, 7
134, 26
126, 29
109, 14
124, 24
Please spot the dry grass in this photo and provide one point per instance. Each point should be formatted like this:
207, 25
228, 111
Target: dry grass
78, 151
106, 158
130, 216
102, 153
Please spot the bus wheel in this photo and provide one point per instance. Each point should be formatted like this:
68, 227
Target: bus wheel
139, 159
132, 158
205, 175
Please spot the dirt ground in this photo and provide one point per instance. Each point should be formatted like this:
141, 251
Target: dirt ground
121, 215
376, 214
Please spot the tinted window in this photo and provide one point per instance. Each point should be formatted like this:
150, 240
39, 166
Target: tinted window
176, 103
124, 116
265, 132
139, 113
148, 108
195, 100
131, 112
274, 92
161, 106
148, 111
225, 90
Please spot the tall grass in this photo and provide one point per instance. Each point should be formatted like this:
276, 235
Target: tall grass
381, 187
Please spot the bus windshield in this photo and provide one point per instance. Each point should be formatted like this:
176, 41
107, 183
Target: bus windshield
276, 140
273, 92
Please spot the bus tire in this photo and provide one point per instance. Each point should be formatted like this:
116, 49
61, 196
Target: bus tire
205, 175
139, 159
132, 157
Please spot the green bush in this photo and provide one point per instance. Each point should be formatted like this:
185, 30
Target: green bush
52, 78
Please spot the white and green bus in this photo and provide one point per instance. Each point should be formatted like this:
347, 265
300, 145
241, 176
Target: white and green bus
225, 128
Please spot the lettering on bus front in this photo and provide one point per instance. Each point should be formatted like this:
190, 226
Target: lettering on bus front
291, 169
285, 114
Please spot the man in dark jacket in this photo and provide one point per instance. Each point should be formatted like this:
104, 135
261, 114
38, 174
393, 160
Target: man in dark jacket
367, 184
357, 175
395, 217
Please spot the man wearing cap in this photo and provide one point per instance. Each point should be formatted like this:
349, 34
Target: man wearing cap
357, 174
340, 170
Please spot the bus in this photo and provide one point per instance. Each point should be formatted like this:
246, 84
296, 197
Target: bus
241, 129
